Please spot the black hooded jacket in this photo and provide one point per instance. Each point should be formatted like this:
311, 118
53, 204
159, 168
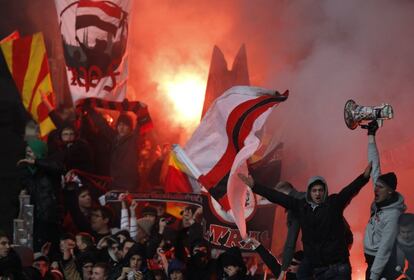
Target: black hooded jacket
11, 266
136, 249
323, 228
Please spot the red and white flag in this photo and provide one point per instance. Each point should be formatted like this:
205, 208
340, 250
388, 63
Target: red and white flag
226, 138
94, 35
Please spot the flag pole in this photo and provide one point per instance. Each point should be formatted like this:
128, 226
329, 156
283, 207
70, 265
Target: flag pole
182, 156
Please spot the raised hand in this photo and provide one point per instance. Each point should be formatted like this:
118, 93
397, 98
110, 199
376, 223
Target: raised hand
45, 100
132, 207
371, 127
45, 248
253, 241
161, 225
26, 160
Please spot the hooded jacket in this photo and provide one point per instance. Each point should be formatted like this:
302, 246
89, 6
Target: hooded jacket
136, 249
323, 229
382, 228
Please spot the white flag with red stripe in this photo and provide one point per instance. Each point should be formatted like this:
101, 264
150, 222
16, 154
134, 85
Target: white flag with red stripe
226, 138
94, 35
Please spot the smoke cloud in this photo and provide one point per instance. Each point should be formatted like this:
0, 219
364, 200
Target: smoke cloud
324, 52
345, 50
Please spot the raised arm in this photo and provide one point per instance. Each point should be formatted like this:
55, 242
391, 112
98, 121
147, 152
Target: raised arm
124, 212
269, 260
373, 154
133, 225
143, 119
271, 194
346, 194
54, 116
101, 123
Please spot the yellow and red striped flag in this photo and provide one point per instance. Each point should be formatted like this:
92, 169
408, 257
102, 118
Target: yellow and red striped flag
26, 59
12, 36
176, 179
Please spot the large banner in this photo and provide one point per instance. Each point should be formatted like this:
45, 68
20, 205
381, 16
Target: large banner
94, 35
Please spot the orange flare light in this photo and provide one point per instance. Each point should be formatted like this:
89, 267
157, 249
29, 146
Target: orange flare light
186, 91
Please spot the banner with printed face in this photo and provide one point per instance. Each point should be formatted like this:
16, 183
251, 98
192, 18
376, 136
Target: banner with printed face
94, 36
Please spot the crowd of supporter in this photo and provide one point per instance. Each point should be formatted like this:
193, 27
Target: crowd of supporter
77, 236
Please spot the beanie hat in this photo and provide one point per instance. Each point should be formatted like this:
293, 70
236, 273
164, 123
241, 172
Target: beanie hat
38, 147
38, 256
136, 249
175, 265
389, 179
232, 256
148, 210
67, 235
192, 208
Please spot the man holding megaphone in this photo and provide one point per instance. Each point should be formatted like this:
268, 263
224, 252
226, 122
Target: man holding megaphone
382, 228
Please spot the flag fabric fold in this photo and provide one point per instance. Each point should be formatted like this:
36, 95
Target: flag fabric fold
226, 138
27, 61
181, 174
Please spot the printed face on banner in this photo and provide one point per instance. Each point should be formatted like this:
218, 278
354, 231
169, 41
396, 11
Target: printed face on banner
94, 35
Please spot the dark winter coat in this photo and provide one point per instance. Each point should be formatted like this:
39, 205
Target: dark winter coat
124, 155
43, 186
322, 225
11, 266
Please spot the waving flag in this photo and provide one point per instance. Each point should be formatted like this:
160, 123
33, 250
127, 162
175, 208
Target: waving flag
12, 36
27, 61
94, 35
225, 139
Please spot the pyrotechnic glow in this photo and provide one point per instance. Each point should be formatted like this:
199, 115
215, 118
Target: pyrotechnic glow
186, 92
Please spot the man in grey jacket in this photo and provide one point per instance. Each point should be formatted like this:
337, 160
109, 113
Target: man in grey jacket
382, 228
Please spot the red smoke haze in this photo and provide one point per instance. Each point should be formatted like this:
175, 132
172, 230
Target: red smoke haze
325, 52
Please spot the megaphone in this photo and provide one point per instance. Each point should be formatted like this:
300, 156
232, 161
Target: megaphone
355, 114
